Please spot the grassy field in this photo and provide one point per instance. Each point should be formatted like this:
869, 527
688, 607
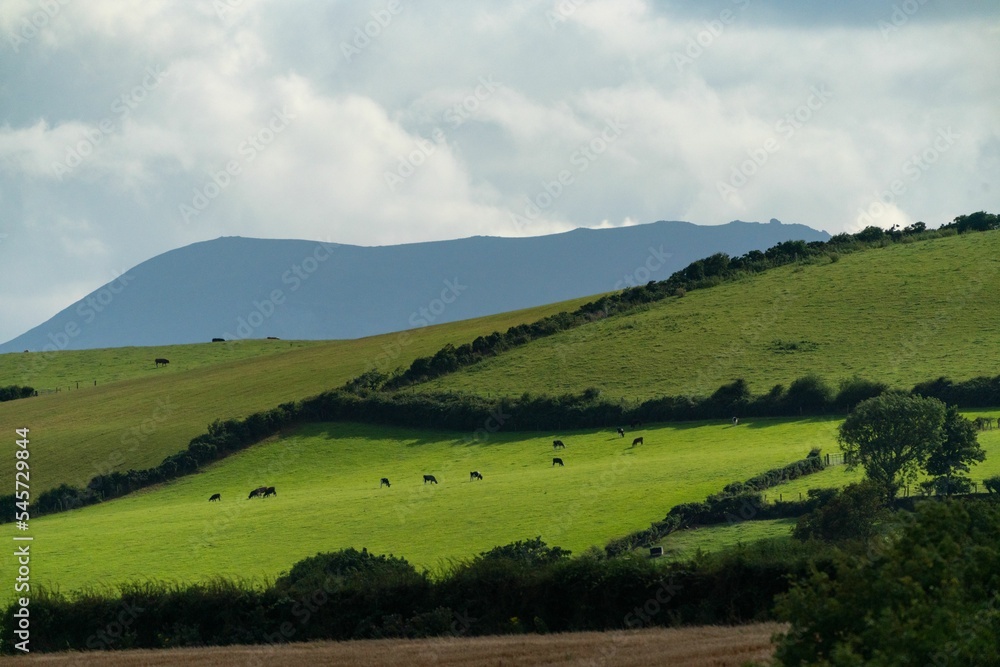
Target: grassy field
840, 476
882, 314
329, 497
901, 314
138, 414
685, 544
66, 370
327, 479
707, 646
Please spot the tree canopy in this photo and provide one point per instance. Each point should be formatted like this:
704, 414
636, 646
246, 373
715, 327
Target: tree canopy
891, 436
959, 449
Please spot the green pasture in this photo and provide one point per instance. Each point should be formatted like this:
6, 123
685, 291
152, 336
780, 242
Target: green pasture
70, 370
686, 544
138, 414
839, 476
327, 480
329, 497
901, 314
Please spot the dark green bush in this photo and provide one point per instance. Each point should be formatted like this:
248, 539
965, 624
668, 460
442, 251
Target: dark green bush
851, 514
927, 597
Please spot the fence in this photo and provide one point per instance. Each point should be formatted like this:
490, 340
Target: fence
836, 459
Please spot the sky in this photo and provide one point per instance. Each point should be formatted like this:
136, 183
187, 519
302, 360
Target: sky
128, 129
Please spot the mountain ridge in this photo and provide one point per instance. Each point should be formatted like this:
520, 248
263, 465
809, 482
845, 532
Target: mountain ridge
244, 287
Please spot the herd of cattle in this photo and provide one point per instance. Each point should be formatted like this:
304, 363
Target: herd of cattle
266, 491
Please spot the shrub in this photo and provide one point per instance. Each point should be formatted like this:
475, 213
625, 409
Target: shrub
855, 390
847, 515
808, 395
926, 597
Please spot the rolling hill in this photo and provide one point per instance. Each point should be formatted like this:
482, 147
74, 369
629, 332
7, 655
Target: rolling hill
329, 498
138, 414
253, 288
900, 314
906, 313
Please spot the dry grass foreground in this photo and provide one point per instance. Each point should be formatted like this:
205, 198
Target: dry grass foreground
708, 646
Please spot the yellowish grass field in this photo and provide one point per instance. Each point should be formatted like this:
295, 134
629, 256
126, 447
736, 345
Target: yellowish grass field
708, 646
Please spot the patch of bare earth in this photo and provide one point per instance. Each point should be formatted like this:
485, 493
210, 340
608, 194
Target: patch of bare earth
707, 646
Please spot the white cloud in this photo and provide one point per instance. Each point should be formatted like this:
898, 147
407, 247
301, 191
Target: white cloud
478, 109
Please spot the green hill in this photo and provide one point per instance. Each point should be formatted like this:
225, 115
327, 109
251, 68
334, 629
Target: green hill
138, 414
900, 314
328, 497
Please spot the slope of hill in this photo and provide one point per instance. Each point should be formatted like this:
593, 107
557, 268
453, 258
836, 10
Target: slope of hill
252, 288
329, 497
901, 314
138, 414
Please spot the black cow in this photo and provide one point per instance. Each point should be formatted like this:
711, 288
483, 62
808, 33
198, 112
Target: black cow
557, 462
637, 441
161, 362
621, 433
558, 444
215, 496
430, 478
218, 340
257, 493
269, 491
475, 475
384, 482
635, 423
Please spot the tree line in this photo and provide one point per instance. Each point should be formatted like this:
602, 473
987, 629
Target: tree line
525, 586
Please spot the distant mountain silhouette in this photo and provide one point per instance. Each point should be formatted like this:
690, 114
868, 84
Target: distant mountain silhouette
236, 287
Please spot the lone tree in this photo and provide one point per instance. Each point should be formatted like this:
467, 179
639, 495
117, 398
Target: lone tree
891, 436
959, 449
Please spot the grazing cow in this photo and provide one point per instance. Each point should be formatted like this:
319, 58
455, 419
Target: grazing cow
475, 475
257, 493
557, 462
634, 424
269, 491
736, 421
161, 362
384, 482
558, 444
430, 478
637, 441
621, 432
218, 340
215, 496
